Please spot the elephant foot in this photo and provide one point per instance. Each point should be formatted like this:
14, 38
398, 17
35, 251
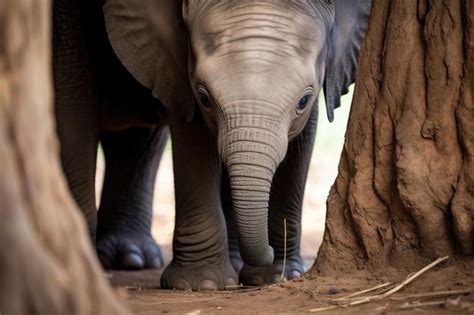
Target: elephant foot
255, 276
202, 277
236, 261
129, 251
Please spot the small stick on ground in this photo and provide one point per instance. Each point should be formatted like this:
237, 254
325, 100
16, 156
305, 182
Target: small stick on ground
284, 252
418, 304
380, 286
323, 309
230, 289
240, 287
433, 294
414, 276
401, 285
395, 289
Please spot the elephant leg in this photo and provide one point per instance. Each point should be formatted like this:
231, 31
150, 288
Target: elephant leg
132, 158
200, 251
76, 99
286, 202
78, 137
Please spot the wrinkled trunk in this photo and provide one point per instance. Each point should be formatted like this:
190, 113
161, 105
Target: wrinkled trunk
405, 190
251, 155
47, 264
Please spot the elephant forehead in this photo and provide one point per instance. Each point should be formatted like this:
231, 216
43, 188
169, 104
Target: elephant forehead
277, 27
255, 67
275, 87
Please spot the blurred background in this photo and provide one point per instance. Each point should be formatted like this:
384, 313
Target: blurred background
322, 173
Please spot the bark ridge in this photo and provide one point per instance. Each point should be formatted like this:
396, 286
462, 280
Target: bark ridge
405, 188
46, 260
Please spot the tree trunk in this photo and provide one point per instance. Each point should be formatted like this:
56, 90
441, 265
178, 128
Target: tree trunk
405, 189
47, 265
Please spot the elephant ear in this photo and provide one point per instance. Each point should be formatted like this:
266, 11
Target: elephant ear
149, 37
344, 41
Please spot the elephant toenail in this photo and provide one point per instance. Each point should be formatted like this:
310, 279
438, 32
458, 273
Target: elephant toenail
132, 261
295, 274
182, 284
207, 285
278, 278
230, 282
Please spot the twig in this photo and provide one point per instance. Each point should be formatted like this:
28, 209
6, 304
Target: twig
418, 304
323, 309
433, 294
241, 289
395, 289
414, 276
402, 284
284, 251
380, 286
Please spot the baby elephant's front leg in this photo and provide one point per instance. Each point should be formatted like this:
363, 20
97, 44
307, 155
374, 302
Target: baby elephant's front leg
200, 250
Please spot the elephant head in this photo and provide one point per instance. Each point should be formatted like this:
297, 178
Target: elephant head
255, 68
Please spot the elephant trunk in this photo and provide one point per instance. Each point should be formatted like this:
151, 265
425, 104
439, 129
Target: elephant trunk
251, 156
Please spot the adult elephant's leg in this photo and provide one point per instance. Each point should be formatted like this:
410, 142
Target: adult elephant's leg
286, 202
124, 236
200, 251
76, 103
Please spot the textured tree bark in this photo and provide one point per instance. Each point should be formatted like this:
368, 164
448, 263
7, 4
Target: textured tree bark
405, 189
47, 265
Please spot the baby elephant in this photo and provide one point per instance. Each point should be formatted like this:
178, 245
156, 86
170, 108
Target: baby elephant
240, 81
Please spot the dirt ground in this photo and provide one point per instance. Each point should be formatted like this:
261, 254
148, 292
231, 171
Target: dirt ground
141, 288
308, 293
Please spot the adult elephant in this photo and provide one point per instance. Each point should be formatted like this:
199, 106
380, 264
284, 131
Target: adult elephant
255, 69
96, 99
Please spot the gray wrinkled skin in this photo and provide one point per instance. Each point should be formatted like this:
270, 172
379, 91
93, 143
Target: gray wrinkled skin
239, 81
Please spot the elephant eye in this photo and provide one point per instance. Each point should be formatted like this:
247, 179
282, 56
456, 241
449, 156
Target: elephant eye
203, 97
303, 102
